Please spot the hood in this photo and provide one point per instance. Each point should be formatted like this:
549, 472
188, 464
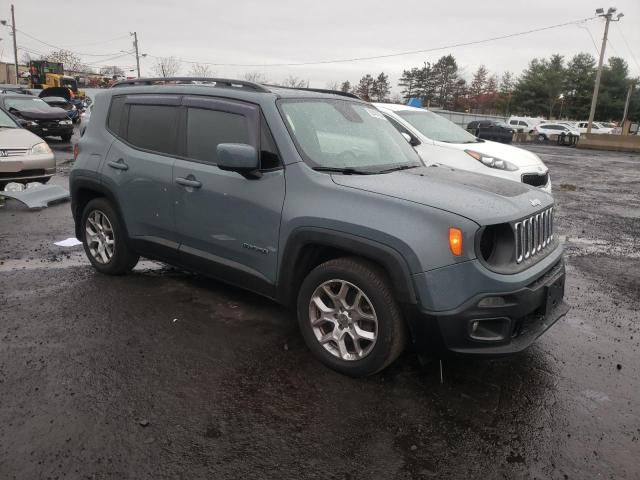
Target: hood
517, 156
17, 138
484, 199
56, 92
53, 113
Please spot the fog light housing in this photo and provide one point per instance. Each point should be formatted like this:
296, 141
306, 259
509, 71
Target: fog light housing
489, 329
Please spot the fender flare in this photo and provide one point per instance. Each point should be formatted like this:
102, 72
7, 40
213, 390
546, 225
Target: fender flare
86, 183
384, 255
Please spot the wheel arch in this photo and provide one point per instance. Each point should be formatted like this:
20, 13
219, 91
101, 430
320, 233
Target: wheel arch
307, 248
83, 190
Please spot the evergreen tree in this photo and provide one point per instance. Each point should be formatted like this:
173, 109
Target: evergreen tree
345, 86
445, 72
409, 82
381, 88
365, 87
578, 86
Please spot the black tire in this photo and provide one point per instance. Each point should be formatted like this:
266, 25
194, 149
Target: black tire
123, 259
373, 282
542, 137
66, 138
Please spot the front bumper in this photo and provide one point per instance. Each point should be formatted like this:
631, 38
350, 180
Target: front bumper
526, 314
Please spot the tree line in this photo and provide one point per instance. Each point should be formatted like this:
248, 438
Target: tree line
550, 87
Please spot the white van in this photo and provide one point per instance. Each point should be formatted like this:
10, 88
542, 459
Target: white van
437, 140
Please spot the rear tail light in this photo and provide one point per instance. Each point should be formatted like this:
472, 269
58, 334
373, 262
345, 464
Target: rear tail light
76, 151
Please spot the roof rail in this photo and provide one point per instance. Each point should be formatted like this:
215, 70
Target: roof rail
222, 82
320, 90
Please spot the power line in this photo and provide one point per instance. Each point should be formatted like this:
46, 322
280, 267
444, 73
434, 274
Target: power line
96, 43
389, 55
62, 48
619, 28
593, 40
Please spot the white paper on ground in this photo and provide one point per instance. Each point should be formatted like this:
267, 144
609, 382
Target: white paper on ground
69, 242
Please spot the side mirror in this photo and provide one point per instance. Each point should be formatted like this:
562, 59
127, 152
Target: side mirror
238, 157
412, 141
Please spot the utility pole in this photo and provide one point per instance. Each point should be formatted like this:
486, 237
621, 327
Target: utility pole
609, 18
626, 108
15, 43
135, 44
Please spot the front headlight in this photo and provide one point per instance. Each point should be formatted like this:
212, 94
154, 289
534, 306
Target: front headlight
492, 162
40, 149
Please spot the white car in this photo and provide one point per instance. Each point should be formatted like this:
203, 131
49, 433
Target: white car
524, 124
437, 140
546, 130
596, 127
24, 157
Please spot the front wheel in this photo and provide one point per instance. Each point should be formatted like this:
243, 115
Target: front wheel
542, 137
349, 317
104, 239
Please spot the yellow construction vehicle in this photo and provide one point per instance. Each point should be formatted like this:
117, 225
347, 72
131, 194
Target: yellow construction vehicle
45, 74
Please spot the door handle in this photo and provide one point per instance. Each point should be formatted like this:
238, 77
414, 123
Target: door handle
119, 165
188, 182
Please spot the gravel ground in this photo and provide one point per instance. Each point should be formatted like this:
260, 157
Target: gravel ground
162, 374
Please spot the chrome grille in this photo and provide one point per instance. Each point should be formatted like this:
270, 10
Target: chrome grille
533, 234
13, 152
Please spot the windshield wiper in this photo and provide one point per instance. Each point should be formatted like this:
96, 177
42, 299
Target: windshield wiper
344, 170
398, 168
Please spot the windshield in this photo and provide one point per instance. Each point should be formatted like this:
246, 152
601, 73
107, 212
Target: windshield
435, 127
346, 135
6, 121
26, 104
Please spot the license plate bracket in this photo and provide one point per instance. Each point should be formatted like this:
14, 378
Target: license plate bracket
554, 295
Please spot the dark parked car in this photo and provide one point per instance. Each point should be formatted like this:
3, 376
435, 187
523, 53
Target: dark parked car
66, 105
491, 130
36, 115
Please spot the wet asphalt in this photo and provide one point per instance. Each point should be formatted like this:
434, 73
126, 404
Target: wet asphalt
162, 374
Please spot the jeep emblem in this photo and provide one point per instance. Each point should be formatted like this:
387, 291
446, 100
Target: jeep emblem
535, 202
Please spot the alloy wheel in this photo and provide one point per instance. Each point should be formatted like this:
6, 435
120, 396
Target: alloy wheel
100, 237
343, 320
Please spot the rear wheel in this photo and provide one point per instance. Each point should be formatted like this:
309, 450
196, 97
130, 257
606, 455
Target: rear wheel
349, 317
104, 239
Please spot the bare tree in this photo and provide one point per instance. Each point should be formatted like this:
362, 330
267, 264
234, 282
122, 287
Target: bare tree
113, 71
70, 61
333, 85
25, 58
256, 77
166, 67
295, 82
201, 70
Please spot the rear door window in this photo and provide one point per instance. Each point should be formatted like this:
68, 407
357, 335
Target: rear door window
153, 127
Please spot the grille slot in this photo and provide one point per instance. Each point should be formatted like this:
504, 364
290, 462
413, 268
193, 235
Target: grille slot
13, 152
535, 180
533, 234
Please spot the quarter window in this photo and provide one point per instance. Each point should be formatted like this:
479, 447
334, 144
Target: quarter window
206, 129
115, 115
153, 127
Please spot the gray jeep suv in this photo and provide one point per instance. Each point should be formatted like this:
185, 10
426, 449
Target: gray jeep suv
317, 202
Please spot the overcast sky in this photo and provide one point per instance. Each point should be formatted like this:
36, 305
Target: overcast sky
286, 31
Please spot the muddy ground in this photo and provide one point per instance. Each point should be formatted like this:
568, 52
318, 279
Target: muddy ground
163, 374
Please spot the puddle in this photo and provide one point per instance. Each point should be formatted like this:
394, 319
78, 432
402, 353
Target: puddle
73, 260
